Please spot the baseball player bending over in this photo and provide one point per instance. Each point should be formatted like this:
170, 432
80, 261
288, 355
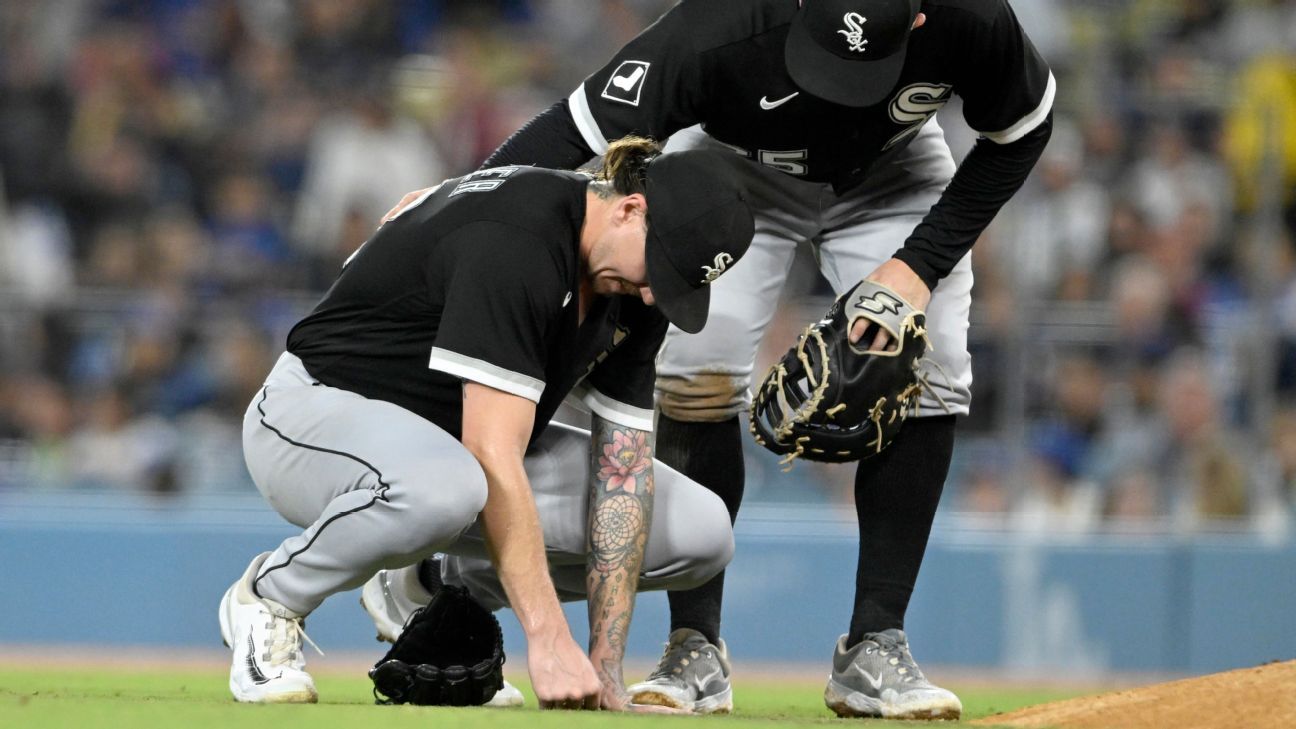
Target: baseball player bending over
825, 110
417, 396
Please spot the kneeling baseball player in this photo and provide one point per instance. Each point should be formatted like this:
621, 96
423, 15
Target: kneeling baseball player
410, 415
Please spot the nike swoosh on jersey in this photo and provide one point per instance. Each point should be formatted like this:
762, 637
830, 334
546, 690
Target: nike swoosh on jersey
766, 104
625, 83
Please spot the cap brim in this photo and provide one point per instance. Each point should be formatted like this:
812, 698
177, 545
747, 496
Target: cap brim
855, 83
684, 306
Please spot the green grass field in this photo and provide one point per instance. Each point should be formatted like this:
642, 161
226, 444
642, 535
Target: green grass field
198, 699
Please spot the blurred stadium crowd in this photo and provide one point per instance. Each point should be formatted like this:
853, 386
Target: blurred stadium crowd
181, 178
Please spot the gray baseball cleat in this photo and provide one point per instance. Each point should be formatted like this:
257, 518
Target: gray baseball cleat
693, 675
879, 678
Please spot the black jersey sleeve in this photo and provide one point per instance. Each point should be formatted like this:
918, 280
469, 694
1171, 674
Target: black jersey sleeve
989, 176
1007, 87
550, 140
620, 387
503, 295
652, 87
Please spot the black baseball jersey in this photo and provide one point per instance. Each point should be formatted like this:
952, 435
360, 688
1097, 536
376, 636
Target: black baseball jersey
479, 281
720, 63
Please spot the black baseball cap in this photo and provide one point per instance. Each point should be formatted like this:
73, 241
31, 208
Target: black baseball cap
849, 52
699, 224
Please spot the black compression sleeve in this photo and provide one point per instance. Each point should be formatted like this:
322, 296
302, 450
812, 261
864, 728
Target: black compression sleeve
550, 140
988, 177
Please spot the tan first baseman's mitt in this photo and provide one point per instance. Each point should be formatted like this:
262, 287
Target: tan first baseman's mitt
830, 400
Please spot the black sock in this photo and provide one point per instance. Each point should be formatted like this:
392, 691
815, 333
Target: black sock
429, 574
896, 493
711, 454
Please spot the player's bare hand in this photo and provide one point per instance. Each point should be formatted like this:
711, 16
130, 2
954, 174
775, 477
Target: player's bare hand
896, 275
561, 675
405, 202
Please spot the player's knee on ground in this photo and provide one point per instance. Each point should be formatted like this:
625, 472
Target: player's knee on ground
702, 397
437, 501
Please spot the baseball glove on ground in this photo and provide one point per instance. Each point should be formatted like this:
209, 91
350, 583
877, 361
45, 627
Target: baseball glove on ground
830, 400
451, 653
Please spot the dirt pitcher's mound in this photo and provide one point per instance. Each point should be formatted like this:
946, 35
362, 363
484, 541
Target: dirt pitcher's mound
1249, 698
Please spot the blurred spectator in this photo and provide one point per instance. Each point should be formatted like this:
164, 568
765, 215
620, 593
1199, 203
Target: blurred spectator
247, 247
1173, 176
117, 447
1193, 466
1059, 493
43, 416
361, 161
1051, 235
36, 254
1147, 326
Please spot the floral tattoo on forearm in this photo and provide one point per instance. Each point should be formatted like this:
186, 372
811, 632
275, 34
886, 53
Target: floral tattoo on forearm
620, 513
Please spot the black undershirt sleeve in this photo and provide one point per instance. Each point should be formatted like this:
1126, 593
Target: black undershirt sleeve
990, 175
549, 140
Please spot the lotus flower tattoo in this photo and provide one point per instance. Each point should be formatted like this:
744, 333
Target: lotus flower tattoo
623, 460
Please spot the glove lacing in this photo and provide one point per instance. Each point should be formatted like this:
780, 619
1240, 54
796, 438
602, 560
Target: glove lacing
801, 414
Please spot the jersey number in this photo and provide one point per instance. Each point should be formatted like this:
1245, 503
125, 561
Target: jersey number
788, 161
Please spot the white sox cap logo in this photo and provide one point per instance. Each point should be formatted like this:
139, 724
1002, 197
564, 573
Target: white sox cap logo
854, 32
722, 260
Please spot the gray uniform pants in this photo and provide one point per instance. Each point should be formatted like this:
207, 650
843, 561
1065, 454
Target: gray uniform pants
706, 376
377, 487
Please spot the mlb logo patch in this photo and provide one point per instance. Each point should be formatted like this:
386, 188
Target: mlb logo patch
627, 82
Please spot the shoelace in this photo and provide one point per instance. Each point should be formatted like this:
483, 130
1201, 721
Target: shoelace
667, 667
284, 643
898, 657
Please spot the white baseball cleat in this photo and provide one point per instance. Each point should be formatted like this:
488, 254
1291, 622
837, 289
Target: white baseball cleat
391, 597
266, 637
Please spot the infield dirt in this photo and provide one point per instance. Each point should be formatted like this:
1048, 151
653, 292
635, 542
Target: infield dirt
1263, 697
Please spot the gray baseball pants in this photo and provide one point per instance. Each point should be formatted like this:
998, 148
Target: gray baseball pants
377, 487
705, 377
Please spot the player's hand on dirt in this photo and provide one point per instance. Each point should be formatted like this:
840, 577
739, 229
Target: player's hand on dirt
561, 674
896, 275
405, 202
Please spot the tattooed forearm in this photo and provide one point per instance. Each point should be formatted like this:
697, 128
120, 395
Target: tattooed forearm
620, 513
614, 526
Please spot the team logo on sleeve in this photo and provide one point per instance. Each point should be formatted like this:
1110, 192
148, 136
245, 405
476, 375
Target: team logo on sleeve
913, 106
855, 31
627, 82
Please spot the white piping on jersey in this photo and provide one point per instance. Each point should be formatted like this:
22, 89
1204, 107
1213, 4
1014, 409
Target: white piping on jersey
1028, 122
485, 373
613, 411
584, 119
